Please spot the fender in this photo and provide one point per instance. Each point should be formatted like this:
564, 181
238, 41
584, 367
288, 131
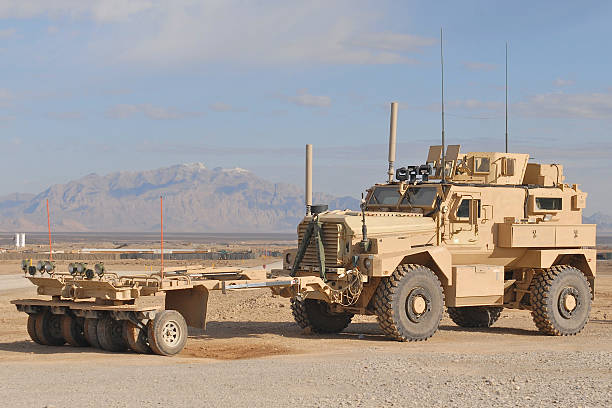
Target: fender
437, 258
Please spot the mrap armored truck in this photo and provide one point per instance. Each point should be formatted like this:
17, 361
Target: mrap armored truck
473, 232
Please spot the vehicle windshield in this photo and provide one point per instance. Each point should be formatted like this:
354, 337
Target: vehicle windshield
420, 196
415, 196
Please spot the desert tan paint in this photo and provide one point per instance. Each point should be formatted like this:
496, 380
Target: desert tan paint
504, 233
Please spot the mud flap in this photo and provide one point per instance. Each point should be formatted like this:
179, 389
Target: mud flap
191, 303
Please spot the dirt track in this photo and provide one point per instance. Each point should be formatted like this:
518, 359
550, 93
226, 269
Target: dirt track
253, 354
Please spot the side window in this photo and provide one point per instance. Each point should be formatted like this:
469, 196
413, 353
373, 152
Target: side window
482, 165
463, 211
549, 203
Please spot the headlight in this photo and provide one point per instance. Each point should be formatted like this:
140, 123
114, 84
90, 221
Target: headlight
99, 269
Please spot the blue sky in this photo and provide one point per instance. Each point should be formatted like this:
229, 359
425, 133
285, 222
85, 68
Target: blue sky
100, 86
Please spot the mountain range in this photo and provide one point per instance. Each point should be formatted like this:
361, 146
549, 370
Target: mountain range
196, 199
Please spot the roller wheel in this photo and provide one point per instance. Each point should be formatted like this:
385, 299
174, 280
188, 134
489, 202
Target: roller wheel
110, 335
136, 338
32, 328
49, 329
409, 303
72, 329
474, 316
561, 301
90, 330
167, 333
315, 314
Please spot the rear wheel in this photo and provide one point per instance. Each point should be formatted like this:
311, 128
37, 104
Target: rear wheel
136, 338
49, 329
474, 316
315, 314
90, 330
32, 328
72, 329
409, 303
167, 333
110, 335
561, 301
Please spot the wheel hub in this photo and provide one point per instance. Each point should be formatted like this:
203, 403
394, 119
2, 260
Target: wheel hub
569, 302
418, 304
170, 333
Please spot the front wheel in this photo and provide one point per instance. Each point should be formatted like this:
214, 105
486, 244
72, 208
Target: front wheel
167, 333
315, 315
560, 300
409, 303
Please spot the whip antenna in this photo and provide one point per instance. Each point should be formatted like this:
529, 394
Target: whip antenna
443, 144
506, 96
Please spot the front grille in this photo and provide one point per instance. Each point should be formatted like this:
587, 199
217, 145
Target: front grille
331, 243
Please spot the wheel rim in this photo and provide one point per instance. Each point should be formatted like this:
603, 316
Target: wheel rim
55, 326
171, 333
569, 302
418, 304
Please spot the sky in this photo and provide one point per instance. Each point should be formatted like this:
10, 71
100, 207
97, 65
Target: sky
102, 86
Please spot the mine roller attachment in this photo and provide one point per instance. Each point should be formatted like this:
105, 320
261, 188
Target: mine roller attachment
561, 300
72, 330
49, 329
315, 314
475, 316
409, 303
167, 333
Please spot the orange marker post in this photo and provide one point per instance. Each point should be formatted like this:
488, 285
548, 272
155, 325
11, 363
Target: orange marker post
49, 225
161, 208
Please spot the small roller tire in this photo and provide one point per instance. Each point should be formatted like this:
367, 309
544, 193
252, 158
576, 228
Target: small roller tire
110, 335
167, 333
72, 329
314, 314
90, 330
552, 292
136, 338
475, 316
32, 328
49, 329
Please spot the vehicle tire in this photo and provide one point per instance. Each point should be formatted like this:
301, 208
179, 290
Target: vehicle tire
49, 329
72, 330
409, 303
32, 328
167, 333
561, 301
474, 316
136, 338
110, 335
315, 314
90, 330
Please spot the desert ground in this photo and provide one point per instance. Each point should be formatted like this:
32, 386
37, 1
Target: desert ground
253, 354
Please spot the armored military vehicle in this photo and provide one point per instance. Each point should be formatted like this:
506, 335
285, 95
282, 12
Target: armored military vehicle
473, 232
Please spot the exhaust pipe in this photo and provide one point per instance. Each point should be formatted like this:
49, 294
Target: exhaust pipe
308, 190
392, 138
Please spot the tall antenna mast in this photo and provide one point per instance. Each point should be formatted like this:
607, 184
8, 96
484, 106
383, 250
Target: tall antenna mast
443, 144
506, 96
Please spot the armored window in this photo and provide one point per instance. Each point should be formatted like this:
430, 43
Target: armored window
482, 165
385, 196
549, 203
463, 210
419, 196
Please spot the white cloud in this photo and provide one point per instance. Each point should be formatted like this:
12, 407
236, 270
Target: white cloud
7, 33
303, 98
479, 66
66, 115
475, 104
224, 107
562, 105
125, 111
259, 33
559, 82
